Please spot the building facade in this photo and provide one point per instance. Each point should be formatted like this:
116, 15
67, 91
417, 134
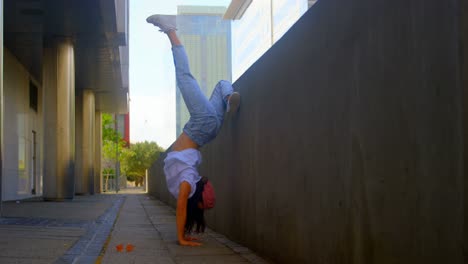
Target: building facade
262, 24
123, 127
207, 40
64, 63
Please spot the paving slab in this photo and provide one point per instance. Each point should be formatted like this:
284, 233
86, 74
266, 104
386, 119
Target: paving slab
35, 231
149, 226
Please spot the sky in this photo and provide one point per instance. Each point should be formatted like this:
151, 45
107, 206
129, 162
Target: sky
152, 77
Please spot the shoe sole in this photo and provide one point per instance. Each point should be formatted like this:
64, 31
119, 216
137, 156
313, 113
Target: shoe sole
158, 20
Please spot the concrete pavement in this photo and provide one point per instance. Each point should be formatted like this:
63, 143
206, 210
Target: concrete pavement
129, 227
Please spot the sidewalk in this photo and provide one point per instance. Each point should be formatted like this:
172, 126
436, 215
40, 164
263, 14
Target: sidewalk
128, 227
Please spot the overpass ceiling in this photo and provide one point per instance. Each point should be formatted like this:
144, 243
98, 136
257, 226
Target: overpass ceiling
101, 47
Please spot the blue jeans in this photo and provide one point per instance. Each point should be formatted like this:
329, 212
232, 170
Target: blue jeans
206, 116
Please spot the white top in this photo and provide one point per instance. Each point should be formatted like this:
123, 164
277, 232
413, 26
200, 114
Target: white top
182, 166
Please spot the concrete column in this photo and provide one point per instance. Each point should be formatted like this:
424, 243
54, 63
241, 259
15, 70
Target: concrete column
97, 152
88, 139
80, 183
59, 119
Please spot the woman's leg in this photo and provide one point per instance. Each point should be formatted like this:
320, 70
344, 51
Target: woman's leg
219, 98
203, 123
196, 101
204, 120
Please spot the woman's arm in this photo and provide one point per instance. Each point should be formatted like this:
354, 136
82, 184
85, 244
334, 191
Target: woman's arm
181, 214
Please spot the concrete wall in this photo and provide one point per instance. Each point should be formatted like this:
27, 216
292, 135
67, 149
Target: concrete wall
348, 147
1, 107
464, 71
157, 181
20, 121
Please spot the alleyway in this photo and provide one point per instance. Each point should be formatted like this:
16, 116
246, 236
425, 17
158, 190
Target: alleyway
129, 227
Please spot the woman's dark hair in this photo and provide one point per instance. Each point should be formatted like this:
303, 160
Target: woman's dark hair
194, 213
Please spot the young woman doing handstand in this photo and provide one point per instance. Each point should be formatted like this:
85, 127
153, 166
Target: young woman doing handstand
193, 193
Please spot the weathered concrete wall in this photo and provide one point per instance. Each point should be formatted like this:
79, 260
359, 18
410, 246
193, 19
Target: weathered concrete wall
157, 182
348, 147
464, 72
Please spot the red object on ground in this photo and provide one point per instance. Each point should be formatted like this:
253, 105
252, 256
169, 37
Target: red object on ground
130, 247
119, 247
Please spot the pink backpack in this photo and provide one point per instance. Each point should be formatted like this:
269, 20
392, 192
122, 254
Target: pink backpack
208, 196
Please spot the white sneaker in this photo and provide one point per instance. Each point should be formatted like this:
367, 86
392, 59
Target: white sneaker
233, 103
165, 23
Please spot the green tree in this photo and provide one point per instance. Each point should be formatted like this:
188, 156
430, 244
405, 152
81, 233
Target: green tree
138, 158
110, 137
112, 146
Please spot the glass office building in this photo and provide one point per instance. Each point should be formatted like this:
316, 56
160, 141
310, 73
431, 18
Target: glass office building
263, 23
